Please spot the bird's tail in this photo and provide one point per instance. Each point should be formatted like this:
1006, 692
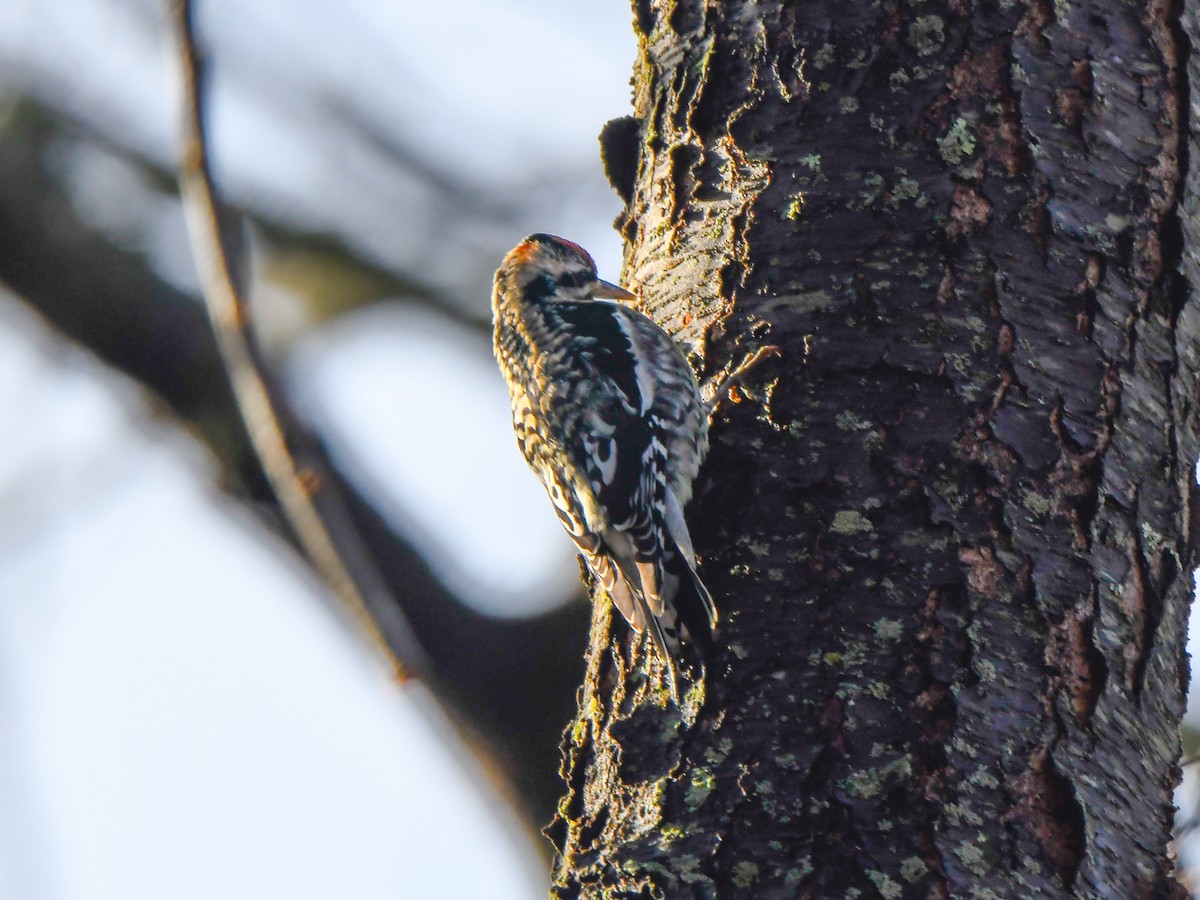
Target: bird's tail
695, 610
689, 616
681, 618
677, 610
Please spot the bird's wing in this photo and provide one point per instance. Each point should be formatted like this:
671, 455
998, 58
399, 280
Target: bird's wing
615, 437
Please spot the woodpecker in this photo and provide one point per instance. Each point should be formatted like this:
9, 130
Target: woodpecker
610, 417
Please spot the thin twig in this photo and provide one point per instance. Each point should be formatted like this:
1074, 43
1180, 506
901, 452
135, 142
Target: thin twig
300, 484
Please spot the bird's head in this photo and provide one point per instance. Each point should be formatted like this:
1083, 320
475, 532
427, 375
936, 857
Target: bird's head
545, 268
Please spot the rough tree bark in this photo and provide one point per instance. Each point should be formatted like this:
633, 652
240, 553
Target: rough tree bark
951, 532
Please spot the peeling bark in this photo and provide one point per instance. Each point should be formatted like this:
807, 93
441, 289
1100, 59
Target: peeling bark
951, 532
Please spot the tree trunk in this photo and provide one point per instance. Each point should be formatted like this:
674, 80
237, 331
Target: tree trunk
951, 531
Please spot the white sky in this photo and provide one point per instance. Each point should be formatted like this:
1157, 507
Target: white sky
501, 95
448, 460
179, 715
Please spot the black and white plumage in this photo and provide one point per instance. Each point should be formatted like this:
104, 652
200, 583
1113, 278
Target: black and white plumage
609, 416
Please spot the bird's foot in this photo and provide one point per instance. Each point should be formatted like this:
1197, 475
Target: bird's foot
730, 379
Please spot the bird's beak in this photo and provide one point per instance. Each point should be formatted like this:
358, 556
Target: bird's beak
610, 291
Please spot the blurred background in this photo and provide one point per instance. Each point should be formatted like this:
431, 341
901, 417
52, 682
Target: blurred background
183, 713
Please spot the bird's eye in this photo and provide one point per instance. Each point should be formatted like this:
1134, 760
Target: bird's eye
574, 279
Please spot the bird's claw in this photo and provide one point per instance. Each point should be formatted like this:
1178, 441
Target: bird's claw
721, 393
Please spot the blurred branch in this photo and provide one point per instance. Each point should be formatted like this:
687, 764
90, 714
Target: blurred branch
517, 692
457, 191
333, 278
298, 474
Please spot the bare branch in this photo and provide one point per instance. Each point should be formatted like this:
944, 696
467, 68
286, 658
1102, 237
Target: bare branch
294, 465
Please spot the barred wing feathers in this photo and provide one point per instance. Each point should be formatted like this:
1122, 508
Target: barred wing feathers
628, 440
